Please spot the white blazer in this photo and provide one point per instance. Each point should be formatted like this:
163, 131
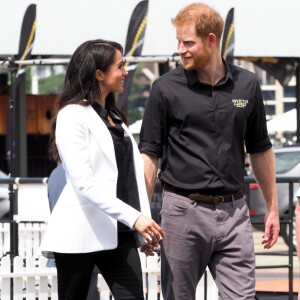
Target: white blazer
85, 216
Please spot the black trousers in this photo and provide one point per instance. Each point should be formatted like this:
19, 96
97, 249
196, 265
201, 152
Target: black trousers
120, 267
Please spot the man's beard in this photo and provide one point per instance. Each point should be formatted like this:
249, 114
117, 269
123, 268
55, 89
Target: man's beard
198, 62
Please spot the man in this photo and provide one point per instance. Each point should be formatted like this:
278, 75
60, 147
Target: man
198, 118
56, 184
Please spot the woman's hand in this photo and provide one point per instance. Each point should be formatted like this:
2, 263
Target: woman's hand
149, 229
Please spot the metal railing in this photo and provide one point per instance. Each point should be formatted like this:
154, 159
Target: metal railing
248, 179
13, 207
289, 220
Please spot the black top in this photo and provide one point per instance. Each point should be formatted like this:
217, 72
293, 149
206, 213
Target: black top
199, 130
127, 189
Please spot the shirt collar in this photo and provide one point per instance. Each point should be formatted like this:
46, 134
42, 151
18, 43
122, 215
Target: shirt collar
104, 113
100, 109
193, 79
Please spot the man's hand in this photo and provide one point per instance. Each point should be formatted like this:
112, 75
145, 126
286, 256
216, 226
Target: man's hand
263, 166
148, 249
272, 229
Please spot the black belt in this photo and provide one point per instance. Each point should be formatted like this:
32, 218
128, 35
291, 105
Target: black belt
213, 199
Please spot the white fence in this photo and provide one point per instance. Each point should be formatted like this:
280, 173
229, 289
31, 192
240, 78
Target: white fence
30, 236
32, 280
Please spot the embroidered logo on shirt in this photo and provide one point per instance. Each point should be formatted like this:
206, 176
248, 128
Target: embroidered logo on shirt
240, 102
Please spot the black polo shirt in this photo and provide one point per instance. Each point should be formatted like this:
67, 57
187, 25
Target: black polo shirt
127, 189
199, 131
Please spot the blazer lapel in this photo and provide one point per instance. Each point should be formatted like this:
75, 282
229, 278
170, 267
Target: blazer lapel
134, 143
101, 133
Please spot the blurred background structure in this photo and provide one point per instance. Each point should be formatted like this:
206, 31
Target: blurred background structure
38, 39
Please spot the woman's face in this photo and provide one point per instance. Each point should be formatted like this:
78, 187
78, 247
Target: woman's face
113, 79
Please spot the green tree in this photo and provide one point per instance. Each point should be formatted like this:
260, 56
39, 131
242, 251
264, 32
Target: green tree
51, 85
135, 102
28, 81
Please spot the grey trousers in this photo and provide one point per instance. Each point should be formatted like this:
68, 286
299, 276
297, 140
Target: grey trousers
200, 235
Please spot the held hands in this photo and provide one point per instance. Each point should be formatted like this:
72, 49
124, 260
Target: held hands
151, 231
148, 249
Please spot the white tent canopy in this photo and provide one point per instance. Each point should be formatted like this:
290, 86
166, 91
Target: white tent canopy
135, 128
63, 25
286, 122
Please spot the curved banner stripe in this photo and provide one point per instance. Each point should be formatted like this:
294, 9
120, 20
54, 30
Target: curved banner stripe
27, 34
134, 45
28, 48
137, 36
30, 41
228, 37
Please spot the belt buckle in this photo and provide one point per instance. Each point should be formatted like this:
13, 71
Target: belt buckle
219, 200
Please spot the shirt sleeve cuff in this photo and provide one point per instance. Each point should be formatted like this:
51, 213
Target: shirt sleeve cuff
261, 146
150, 149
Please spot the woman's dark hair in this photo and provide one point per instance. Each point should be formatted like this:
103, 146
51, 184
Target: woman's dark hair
80, 81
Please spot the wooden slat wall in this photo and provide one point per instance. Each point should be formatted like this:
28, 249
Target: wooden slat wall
3, 113
38, 111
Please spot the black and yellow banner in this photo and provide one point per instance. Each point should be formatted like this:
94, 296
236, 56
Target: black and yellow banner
134, 45
27, 34
228, 37
15, 139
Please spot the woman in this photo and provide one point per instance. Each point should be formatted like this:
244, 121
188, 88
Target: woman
102, 214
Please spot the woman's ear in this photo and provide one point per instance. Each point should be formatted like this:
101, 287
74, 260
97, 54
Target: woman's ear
99, 75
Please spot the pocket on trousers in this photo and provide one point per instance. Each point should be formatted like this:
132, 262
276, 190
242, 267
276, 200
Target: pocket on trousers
242, 208
174, 207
